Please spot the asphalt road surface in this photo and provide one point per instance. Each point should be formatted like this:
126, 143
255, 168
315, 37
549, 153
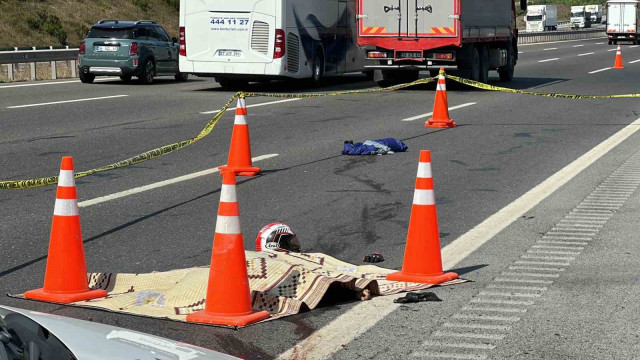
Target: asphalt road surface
495, 189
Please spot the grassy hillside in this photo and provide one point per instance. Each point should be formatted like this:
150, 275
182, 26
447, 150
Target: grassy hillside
66, 22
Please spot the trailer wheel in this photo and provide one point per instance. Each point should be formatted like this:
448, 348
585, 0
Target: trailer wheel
506, 72
475, 65
484, 65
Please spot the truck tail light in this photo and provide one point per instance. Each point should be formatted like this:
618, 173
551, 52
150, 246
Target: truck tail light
83, 48
377, 55
183, 42
133, 49
443, 56
278, 48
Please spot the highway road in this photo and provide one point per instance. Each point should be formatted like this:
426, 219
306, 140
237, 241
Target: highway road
507, 178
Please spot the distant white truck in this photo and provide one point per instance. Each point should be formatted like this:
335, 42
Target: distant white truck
622, 21
580, 18
595, 13
541, 18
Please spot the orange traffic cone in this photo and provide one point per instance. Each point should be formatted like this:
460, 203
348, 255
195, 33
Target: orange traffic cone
65, 280
422, 259
440, 117
228, 299
239, 160
618, 63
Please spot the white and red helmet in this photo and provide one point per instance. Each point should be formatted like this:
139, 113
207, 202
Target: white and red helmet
277, 237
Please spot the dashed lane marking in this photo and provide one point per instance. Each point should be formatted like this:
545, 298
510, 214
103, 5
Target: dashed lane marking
577, 46
255, 105
585, 54
159, 184
599, 70
67, 101
424, 116
634, 61
547, 49
547, 60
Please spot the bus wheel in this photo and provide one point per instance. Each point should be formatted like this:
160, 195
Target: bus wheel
317, 69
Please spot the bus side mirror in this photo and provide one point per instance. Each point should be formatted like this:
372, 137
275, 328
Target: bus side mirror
523, 5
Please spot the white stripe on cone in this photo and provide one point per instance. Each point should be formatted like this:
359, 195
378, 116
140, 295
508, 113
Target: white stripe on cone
66, 207
228, 193
424, 197
441, 87
228, 225
66, 178
240, 120
424, 170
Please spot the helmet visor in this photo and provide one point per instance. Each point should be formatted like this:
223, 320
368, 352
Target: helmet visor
289, 242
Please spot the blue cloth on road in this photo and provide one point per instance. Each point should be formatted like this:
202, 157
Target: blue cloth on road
374, 147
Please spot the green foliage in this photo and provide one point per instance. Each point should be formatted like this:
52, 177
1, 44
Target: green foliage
50, 24
142, 4
175, 4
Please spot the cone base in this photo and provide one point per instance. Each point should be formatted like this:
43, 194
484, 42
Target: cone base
618, 67
228, 320
63, 298
422, 279
440, 123
241, 170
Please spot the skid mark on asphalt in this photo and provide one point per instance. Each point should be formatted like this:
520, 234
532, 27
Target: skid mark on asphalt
516, 290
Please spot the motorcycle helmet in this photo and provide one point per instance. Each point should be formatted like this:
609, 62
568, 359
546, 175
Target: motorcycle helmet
277, 237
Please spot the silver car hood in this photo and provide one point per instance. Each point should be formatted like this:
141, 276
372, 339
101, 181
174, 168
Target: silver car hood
93, 341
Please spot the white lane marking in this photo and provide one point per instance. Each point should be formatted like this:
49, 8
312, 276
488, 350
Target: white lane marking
546, 60
586, 54
423, 116
560, 41
578, 45
502, 302
156, 185
634, 61
477, 326
633, 46
612, 49
600, 43
479, 346
468, 334
597, 71
545, 263
454, 356
349, 325
511, 287
535, 268
254, 105
509, 294
53, 83
520, 52
493, 309
547, 49
66, 101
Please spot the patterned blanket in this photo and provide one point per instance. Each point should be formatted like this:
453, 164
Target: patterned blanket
283, 284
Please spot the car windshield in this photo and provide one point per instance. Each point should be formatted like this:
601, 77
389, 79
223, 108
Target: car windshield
126, 33
534, 18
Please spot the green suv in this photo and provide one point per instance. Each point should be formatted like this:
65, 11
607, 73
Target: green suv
127, 48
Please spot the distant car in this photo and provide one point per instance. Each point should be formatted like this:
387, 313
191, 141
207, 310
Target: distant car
126, 49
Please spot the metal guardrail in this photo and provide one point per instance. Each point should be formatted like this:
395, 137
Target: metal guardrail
531, 38
35, 55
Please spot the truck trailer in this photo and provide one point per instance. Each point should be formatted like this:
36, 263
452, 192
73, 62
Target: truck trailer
595, 12
622, 21
541, 18
469, 37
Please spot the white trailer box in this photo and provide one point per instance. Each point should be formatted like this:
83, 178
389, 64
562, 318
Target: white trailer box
622, 21
237, 41
595, 12
541, 18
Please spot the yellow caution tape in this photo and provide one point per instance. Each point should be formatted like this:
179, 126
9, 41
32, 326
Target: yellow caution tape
163, 150
483, 86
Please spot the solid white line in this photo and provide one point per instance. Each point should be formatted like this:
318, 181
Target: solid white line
577, 45
349, 325
422, 116
586, 54
255, 105
554, 59
156, 185
547, 49
634, 61
66, 101
597, 71
560, 41
52, 83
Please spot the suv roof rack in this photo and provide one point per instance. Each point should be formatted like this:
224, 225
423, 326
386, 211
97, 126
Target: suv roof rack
107, 20
145, 22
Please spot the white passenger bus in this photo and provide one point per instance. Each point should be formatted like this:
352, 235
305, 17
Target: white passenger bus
237, 41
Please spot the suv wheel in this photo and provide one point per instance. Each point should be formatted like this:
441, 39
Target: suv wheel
182, 76
87, 78
147, 73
